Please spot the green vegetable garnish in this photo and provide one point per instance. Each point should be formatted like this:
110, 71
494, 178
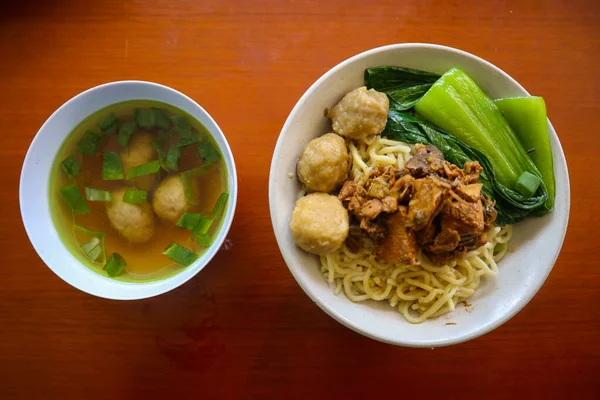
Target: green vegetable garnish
71, 167
92, 249
148, 168
188, 140
135, 196
115, 265
79, 232
527, 117
161, 118
204, 239
188, 177
220, 205
182, 125
199, 224
404, 86
527, 184
144, 117
456, 104
112, 169
97, 195
109, 124
180, 254
89, 142
207, 152
72, 196
171, 160
125, 133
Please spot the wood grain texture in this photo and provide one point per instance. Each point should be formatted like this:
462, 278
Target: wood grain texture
243, 328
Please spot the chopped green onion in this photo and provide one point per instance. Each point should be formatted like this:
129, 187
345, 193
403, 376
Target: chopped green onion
189, 220
72, 196
220, 205
89, 142
115, 265
109, 124
97, 195
112, 169
161, 119
148, 168
125, 133
203, 225
182, 125
80, 230
187, 178
207, 152
527, 184
204, 239
180, 254
186, 141
171, 160
92, 249
71, 167
144, 117
135, 196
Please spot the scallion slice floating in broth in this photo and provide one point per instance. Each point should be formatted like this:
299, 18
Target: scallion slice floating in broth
135, 196
182, 125
199, 224
89, 142
187, 177
180, 254
112, 169
125, 133
188, 140
115, 265
72, 196
92, 249
148, 168
80, 232
207, 152
144, 117
204, 239
161, 119
220, 205
71, 167
171, 160
109, 123
97, 195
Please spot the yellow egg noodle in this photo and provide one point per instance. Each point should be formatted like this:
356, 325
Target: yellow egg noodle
418, 292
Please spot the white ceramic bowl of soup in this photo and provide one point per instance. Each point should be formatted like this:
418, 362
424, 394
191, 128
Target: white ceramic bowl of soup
533, 249
35, 181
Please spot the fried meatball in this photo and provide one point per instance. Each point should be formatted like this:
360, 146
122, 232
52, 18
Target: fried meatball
323, 165
169, 199
360, 113
139, 151
319, 223
135, 222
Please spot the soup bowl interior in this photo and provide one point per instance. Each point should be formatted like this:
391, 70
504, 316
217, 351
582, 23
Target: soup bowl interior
35, 179
533, 249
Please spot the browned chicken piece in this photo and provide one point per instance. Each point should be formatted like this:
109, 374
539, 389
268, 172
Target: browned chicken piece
470, 192
428, 194
427, 235
371, 209
374, 228
446, 241
386, 173
463, 216
400, 245
453, 172
426, 160
402, 189
353, 196
377, 188
440, 258
489, 213
472, 170
390, 204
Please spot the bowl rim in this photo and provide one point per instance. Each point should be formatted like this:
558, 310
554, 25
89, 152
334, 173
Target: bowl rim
134, 290
289, 259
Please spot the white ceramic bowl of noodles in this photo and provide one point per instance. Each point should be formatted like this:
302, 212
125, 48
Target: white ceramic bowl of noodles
534, 247
35, 177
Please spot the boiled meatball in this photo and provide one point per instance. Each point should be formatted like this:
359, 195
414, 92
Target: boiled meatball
360, 113
169, 199
135, 222
139, 151
319, 223
323, 165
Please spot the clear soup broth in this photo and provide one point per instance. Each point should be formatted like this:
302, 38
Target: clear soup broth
140, 223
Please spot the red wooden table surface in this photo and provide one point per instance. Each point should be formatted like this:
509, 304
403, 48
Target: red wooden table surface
243, 328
